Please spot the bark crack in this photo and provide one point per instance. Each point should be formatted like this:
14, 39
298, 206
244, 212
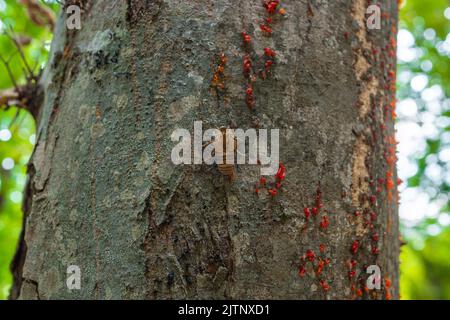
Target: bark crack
35, 284
362, 66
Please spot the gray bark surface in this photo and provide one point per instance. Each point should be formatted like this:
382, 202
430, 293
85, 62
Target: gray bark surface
104, 195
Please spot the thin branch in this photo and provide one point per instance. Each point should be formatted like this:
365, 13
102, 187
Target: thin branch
19, 49
8, 69
26, 97
9, 97
36, 63
14, 119
39, 13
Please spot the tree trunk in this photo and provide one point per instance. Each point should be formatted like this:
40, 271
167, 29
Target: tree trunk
104, 195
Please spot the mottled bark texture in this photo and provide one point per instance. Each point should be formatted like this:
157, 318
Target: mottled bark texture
104, 195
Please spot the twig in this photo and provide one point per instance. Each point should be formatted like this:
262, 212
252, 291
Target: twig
19, 49
8, 69
40, 14
8, 97
14, 119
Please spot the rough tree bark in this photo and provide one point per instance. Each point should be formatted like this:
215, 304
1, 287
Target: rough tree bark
104, 195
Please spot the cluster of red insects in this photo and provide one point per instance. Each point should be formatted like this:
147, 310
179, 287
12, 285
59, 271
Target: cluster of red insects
388, 65
218, 81
219, 74
356, 245
309, 256
271, 7
360, 286
353, 263
390, 141
368, 215
314, 211
391, 159
272, 187
382, 116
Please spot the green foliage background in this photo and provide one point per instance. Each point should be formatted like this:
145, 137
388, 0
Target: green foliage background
425, 260
425, 268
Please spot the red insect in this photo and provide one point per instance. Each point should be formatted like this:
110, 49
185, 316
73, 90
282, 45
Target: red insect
322, 247
325, 222
393, 42
271, 5
266, 29
373, 216
388, 296
355, 246
387, 283
301, 271
281, 174
324, 285
250, 100
307, 213
217, 80
375, 237
389, 184
247, 66
320, 266
269, 52
220, 69
359, 293
310, 255
247, 38
375, 250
